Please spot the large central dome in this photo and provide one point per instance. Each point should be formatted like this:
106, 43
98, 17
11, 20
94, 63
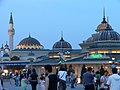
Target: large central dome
29, 43
104, 32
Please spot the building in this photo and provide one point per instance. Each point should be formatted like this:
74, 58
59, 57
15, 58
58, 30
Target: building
101, 48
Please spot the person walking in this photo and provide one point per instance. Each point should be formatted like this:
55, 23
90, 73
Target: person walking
23, 83
84, 70
1, 80
33, 79
17, 79
102, 71
62, 75
51, 78
72, 79
11, 77
42, 82
104, 80
114, 80
88, 80
113, 65
97, 75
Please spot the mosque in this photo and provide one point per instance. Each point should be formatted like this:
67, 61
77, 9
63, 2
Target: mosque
101, 48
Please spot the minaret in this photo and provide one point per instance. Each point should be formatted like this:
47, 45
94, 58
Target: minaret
11, 33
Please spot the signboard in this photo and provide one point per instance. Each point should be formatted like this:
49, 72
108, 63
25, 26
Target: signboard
96, 55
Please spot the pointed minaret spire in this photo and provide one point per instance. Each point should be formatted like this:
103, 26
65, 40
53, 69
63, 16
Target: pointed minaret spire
11, 19
107, 19
29, 35
104, 19
2, 47
6, 45
62, 36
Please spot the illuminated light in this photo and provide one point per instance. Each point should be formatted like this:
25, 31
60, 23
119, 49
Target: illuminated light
91, 67
78, 80
42, 67
56, 67
5, 71
96, 55
113, 51
3, 74
113, 58
117, 67
92, 52
110, 61
65, 60
106, 67
102, 51
85, 67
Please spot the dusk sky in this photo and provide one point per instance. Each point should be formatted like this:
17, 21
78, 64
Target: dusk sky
46, 19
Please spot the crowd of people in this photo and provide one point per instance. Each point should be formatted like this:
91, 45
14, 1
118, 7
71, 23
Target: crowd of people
65, 77
101, 79
48, 81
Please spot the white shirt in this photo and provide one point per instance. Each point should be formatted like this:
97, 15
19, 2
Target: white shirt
104, 80
114, 82
62, 75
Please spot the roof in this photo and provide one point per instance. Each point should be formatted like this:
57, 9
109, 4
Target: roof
62, 44
29, 43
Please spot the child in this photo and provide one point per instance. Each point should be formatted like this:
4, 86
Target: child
23, 83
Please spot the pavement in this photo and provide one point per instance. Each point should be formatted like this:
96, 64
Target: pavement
12, 86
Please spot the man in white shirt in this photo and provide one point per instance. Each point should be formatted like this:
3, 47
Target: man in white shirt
114, 80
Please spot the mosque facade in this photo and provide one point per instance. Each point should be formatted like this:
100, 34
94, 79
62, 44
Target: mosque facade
101, 48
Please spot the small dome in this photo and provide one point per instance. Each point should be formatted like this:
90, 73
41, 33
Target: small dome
6, 55
89, 39
93, 38
2, 48
14, 58
6, 46
103, 26
29, 43
62, 44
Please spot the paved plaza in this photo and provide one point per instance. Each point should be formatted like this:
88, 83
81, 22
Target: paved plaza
13, 87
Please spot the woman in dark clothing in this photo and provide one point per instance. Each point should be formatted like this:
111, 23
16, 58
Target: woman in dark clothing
33, 79
84, 70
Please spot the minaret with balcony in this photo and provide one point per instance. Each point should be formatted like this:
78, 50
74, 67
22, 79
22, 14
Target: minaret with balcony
11, 33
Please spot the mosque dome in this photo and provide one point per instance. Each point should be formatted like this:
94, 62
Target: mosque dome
62, 44
29, 43
104, 32
103, 26
109, 35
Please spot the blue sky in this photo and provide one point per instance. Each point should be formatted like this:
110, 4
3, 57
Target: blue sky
45, 19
